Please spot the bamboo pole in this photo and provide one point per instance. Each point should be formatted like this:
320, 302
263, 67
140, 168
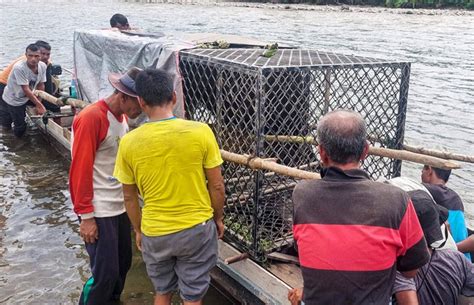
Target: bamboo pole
429, 152
290, 139
405, 155
258, 163
58, 101
246, 178
413, 157
439, 154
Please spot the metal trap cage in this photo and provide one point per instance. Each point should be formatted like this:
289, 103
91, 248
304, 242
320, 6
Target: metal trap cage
269, 108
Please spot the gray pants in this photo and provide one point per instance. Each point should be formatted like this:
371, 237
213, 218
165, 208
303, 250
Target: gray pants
182, 260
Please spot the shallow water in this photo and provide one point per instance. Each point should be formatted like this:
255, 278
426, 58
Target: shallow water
42, 260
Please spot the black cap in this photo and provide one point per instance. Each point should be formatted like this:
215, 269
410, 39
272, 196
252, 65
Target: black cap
428, 215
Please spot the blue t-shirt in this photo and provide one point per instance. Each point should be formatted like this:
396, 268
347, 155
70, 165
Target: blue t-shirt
449, 199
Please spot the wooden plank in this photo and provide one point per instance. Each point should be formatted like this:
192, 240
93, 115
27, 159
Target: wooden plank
288, 273
284, 258
256, 279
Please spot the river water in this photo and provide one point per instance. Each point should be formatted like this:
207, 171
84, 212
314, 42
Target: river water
42, 260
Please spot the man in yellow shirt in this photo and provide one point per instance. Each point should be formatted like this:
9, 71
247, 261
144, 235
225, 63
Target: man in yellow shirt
175, 165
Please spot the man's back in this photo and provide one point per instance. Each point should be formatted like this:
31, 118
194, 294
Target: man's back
5, 73
167, 159
351, 233
449, 199
440, 282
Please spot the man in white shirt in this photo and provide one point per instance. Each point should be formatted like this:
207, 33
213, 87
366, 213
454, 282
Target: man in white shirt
26, 76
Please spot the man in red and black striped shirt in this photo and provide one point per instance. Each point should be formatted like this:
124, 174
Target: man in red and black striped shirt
352, 233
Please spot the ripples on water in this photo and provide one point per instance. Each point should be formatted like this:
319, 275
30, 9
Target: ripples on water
41, 255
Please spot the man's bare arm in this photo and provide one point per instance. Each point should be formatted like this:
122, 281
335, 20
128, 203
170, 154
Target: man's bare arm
39, 106
130, 197
466, 245
26, 89
216, 188
40, 86
407, 297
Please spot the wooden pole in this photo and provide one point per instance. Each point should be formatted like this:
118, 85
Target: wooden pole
439, 154
258, 163
417, 157
290, 139
412, 157
58, 101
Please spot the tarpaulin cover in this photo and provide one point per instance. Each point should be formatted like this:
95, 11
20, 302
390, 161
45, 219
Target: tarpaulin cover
99, 52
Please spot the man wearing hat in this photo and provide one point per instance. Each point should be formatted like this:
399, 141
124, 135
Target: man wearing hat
175, 165
447, 275
97, 196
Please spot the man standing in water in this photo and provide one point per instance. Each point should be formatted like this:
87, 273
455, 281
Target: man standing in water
120, 22
45, 54
25, 77
175, 165
96, 195
352, 233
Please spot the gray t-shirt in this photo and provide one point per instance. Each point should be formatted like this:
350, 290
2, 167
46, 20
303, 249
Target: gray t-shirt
440, 282
22, 75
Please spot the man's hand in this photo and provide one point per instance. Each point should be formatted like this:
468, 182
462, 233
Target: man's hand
89, 231
138, 240
220, 228
40, 110
295, 296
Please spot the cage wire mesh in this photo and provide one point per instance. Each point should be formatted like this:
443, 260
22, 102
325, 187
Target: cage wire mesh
269, 108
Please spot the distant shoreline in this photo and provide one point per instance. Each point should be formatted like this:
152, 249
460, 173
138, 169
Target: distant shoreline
350, 8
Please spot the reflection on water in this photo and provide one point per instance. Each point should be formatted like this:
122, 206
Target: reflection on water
41, 256
40, 249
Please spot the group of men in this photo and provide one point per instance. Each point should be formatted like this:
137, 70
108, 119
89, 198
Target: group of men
30, 72
390, 239
360, 241
173, 164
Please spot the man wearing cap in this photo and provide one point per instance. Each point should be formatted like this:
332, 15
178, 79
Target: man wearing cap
447, 275
415, 188
97, 197
175, 165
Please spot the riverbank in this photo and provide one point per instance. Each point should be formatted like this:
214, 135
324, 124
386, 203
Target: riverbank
352, 8
444, 11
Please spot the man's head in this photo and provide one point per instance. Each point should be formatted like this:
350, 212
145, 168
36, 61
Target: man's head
120, 22
410, 185
155, 88
434, 175
33, 55
124, 85
342, 138
45, 50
